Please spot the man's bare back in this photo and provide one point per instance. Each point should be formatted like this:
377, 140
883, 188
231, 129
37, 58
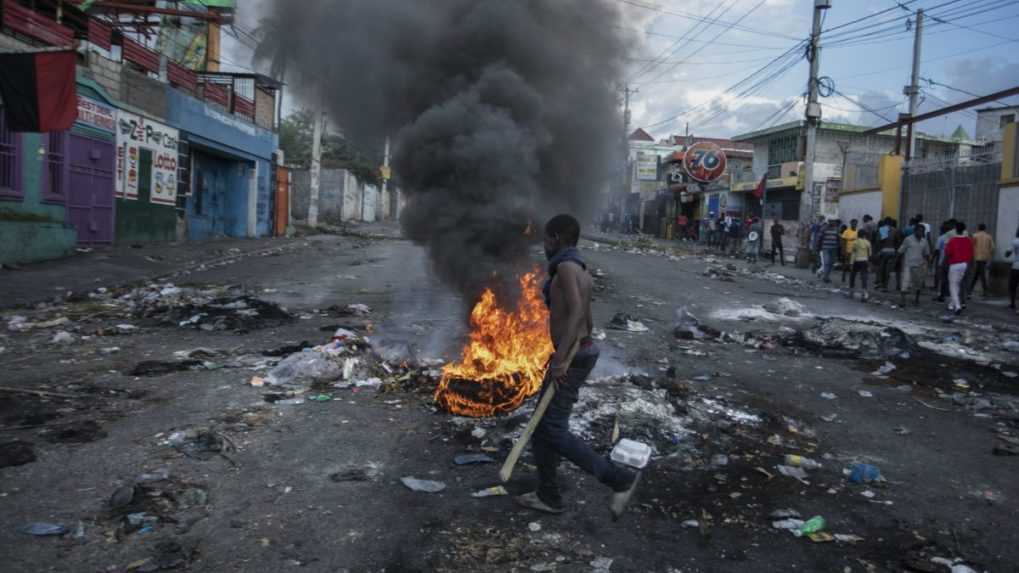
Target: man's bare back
570, 318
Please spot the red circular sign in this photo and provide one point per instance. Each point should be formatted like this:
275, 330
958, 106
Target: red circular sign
704, 162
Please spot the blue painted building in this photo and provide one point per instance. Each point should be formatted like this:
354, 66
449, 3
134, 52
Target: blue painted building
230, 169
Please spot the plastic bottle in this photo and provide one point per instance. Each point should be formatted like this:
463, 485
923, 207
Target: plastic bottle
801, 462
812, 525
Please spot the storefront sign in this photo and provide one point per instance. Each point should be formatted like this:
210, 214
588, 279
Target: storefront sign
704, 162
135, 133
647, 166
96, 114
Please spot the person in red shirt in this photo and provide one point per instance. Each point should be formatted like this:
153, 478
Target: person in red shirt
681, 223
958, 257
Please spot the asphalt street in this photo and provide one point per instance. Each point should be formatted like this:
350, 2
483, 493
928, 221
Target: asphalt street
316, 485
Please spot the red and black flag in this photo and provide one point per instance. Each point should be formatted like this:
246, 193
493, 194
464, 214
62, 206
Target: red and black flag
761, 187
39, 90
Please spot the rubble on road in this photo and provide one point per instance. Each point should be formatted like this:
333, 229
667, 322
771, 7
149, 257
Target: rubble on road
623, 321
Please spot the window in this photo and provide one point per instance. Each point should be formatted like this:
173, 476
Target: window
183, 173
1006, 119
783, 149
54, 178
10, 160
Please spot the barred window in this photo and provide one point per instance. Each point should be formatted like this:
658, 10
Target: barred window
55, 180
10, 168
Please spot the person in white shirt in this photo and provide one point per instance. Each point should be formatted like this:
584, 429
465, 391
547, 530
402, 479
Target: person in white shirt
1013, 277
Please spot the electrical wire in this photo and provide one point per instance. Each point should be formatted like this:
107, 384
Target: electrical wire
776, 115
779, 61
697, 18
717, 36
861, 106
674, 36
679, 44
895, 32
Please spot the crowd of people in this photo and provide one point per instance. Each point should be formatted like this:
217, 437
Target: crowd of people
952, 259
956, 259
744, 237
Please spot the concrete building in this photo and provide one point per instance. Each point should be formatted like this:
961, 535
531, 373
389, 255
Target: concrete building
992, 121
852, 172
159, 151
342, 198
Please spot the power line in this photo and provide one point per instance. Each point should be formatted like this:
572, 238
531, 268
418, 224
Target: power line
867, 17
674, 36
861, 106
697, 18
717, 36
893, 32
962, 91
678, 43
779, 60
776, 115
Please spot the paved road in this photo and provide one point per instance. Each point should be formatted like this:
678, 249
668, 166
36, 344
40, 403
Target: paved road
274, 505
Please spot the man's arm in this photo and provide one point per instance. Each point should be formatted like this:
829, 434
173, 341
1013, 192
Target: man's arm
568, 276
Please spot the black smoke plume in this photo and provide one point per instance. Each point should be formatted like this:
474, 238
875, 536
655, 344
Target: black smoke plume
503, 112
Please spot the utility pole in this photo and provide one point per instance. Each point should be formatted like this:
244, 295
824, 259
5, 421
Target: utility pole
316, 167
385, 182
913, 89
813, 119
626, 177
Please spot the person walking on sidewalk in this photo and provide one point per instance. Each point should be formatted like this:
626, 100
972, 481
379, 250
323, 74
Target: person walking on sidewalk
941, 278
958, 256
916, 253
829, 249
983, 250
849, 237
568, 296
1013, 275
888, 245
754, 240
777, 230
859, 259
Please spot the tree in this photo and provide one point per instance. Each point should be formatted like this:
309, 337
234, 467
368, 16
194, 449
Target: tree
337, 153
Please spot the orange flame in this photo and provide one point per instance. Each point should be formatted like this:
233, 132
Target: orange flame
504, 361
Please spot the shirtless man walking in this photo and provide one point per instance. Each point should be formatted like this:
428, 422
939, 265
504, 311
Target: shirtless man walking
568, 296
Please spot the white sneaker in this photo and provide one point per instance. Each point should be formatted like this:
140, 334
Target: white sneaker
621, 499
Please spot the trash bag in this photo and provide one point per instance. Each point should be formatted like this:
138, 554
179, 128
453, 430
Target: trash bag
304, 367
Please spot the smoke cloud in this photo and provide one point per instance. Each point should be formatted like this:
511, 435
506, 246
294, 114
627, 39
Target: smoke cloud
503, 112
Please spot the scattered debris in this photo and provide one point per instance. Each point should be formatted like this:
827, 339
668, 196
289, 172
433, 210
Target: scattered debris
472, 459
864, 473
423, 485
62, 337
625, 322
491, 491
42, 529
786, 307
797, 473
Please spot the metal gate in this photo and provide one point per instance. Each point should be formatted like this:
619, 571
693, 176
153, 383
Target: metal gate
967, 192
90, 189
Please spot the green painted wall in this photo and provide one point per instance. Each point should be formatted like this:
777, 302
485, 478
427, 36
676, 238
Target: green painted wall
140, 220
31, 230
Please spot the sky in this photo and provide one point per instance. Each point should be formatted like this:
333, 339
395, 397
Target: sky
868, 71
682, 67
